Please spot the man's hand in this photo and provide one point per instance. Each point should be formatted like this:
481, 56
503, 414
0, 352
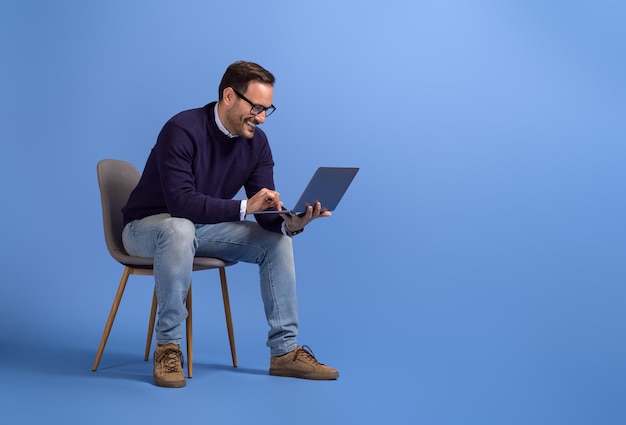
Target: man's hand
295, 223
263, 200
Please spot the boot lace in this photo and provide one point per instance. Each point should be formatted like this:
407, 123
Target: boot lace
308, 355
171, 359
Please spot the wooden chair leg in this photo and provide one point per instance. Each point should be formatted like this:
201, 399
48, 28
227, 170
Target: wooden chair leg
188, 328
229, 319
189, 331
109, 323
151, 326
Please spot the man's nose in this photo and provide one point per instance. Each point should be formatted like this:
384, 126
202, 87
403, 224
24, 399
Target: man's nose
260, 117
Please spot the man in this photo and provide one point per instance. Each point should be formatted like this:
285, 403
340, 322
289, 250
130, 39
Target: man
183, 207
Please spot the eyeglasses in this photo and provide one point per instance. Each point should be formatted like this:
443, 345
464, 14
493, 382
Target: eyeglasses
256, 109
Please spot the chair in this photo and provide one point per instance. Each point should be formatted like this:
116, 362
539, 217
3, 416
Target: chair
116, 180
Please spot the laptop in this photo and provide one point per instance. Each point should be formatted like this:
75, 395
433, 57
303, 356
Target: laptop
327, 186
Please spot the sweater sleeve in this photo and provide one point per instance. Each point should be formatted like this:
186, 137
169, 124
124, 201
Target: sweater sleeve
175, 151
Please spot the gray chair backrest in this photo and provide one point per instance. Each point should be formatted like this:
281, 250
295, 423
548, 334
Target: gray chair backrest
116, 180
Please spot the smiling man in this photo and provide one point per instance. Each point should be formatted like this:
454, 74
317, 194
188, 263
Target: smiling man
183, 206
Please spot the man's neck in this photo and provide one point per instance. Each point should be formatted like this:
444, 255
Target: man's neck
220, 123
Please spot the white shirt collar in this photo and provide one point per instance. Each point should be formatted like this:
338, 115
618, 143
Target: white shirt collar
221, 126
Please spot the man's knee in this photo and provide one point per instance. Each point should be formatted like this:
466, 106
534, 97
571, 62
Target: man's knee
178, 231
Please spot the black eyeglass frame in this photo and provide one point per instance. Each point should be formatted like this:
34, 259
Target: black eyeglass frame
256, 108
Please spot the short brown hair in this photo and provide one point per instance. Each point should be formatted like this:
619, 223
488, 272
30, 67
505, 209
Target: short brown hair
239, 74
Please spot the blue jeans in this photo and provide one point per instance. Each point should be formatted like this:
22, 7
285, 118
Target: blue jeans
173, 243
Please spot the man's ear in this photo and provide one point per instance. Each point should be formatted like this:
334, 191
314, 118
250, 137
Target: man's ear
229, 96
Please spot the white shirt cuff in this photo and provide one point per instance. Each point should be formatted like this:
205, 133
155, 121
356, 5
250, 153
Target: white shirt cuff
242, 209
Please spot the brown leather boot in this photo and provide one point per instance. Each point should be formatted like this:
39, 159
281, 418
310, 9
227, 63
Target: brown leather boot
301, 363
168, 366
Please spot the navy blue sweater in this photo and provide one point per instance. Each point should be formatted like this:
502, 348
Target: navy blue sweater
194, 170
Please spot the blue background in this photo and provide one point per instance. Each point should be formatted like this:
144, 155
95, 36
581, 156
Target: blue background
473, 274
